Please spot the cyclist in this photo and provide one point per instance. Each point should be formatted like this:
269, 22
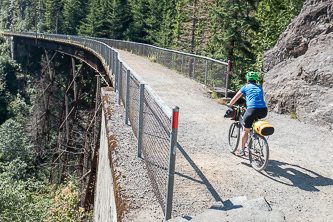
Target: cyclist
256, 106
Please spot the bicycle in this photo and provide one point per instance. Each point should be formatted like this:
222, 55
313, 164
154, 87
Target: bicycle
257, 144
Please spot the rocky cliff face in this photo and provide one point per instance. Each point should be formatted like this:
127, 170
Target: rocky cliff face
299, 69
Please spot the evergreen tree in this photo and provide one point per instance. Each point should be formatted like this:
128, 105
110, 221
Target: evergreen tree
92, 24
8, 80
73, 14
192, 25
273, 17
138, 28
52, 15
164, 35
115, 18
154, 21
232, 21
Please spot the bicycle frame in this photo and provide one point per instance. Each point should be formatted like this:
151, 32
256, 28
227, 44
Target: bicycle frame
257, 145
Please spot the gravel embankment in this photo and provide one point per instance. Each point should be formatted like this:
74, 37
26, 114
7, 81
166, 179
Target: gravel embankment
297, 181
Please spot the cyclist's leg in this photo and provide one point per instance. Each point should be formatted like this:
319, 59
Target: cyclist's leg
247, 123
244, 137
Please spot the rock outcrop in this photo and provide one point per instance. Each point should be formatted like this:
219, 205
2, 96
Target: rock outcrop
299, 68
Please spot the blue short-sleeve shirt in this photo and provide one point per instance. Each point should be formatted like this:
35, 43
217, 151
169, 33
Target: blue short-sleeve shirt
254, 96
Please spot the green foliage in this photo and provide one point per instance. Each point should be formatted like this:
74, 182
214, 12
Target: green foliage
13, 142
73, 14
92, 24
152, 58
232, 21
273, 17
138, 28
161, 22
107, 19
9, 84
17, 169
191, 25
28, 200
214, 95
293, 115
18, 109
52, 15
64, 207
22, 200
119, 19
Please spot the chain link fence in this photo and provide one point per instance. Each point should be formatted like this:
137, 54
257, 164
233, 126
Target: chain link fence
208, 71
151, 120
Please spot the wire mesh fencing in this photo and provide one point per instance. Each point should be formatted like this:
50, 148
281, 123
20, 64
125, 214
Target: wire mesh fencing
149, 117
156, 145
208, 71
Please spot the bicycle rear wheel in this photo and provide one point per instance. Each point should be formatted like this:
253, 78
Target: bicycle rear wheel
233, 136
258, 152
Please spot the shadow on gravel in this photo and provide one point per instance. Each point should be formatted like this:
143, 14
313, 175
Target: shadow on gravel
205, 181
294, 175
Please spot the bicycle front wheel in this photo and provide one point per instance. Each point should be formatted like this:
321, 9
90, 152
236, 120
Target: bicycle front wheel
233, 137
259, 152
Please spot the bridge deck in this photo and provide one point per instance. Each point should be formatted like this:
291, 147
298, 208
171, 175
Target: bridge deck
205, 170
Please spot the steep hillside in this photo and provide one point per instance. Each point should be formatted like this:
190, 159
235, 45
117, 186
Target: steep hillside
299, 69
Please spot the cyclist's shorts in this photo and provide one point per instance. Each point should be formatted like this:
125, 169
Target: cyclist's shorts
252, 114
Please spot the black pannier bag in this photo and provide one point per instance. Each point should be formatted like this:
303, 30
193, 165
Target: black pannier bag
232, 113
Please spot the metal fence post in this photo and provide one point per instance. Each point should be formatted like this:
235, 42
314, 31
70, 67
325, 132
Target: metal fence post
116, 73
112, 63
182, 68
206, 72
107, 55
164, 58
173, 59
172, 163
102, 50
140, 128
120, 77
194, 64
110, 60
227, 80
127, 96
158, 56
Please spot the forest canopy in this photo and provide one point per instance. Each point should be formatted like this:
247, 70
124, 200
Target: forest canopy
240, 31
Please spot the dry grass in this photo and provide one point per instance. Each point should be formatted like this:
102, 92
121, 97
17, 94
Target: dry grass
222, 101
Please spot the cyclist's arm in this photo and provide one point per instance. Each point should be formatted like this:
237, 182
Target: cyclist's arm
235, 98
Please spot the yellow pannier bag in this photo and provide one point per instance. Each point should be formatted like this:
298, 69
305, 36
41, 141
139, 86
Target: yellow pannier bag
263, 128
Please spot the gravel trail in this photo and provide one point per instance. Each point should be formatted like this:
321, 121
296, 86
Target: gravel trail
298, 179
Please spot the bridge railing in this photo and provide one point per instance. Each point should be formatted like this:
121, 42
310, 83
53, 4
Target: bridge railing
208, 71
149, 117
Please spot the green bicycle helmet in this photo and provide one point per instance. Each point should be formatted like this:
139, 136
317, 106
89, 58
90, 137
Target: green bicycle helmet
252, 76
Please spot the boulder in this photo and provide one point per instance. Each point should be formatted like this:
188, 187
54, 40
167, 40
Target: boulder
299, 68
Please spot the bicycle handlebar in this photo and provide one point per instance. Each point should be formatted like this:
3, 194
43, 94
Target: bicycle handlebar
234, 107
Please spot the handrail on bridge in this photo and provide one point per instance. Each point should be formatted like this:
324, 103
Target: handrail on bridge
208, 71
142, 103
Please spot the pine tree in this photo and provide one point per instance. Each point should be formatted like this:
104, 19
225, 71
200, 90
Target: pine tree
165, 35
73, 14
52, 13
154, 20
192, 25
116, 18
93, 23
138, 28
232, 20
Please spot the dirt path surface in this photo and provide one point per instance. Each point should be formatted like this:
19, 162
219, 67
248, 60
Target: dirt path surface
297, 181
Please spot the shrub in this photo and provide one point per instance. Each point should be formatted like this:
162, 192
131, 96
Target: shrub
293, 115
